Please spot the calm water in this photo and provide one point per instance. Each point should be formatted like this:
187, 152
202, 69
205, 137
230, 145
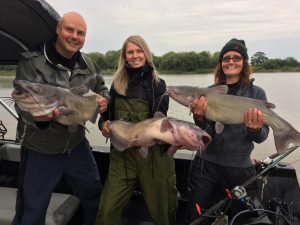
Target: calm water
281, 88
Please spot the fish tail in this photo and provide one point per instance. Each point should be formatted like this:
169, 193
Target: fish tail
284, 137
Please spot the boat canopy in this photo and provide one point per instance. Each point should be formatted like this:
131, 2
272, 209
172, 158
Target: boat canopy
23, 25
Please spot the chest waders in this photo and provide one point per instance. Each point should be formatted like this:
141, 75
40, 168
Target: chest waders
155, 175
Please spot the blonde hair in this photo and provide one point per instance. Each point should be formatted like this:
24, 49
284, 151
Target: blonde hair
121, 76
220, 77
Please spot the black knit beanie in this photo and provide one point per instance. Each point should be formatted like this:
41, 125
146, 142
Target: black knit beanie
235, 45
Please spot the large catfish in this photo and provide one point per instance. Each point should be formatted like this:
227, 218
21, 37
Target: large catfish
40, 99
179, 134
229, 109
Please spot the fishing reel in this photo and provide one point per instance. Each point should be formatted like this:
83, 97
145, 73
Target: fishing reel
263, 164
240, 193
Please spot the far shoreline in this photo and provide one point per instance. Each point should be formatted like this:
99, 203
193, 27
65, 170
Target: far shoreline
4, 73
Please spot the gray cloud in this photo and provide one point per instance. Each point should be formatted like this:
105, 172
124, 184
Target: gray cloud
272, 26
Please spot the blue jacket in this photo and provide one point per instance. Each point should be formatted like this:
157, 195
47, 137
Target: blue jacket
234, 145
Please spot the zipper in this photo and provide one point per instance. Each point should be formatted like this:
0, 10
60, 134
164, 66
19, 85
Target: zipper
67, 145
153, 110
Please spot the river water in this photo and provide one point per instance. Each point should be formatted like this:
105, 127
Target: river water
282, 89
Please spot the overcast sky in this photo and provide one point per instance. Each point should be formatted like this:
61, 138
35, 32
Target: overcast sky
270, 26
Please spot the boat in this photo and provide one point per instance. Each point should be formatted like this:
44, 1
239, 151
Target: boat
34, 21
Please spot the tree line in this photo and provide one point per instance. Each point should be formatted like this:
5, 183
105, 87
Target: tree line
190, 62
196, 62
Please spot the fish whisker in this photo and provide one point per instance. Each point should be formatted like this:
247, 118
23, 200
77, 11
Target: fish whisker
9, 102
165, 94
37, 103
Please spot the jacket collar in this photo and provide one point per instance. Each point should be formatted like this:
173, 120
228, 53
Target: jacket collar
54, 58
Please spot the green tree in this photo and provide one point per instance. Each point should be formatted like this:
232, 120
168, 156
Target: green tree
258, 59
169, 61
188, 61
204, 60
214, 59
112, 58
7, 67
157, 61
99, 59
273, 64
291, 62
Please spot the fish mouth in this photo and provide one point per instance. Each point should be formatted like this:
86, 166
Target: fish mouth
19, 91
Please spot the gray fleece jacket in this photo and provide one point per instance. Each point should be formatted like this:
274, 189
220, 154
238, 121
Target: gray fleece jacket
234, 145
37, 66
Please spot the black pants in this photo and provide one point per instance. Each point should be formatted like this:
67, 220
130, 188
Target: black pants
207, 185
40, 174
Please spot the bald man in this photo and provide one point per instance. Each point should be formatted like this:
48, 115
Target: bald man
52, 151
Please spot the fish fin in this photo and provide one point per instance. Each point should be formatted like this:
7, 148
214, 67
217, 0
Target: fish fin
269, 105
158, 114
133, 143
118, 143
65, 111
87, 130
79, 89
222, 89
143, 152
166, 125
283, 138
172, 150
219, 127
95, 115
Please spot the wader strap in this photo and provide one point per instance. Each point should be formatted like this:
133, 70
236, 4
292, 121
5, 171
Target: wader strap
152, 162
133, 110
125, 167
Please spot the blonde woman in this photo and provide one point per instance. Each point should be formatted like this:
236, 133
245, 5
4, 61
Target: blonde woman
137, 93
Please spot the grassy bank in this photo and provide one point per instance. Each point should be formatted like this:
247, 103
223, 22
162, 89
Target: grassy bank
7, 73
283, 70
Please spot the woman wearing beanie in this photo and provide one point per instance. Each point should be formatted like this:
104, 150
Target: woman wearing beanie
226, 163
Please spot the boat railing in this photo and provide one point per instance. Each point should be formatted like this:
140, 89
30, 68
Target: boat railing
3, 129
8, 109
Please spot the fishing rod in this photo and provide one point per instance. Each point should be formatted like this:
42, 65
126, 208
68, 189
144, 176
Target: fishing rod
272, 165
239, 192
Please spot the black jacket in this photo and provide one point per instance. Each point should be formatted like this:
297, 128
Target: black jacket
141, 85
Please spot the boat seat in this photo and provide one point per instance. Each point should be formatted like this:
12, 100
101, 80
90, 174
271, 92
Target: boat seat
61, 209
10, 152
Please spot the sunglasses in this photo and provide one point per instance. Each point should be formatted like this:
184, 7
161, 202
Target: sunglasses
235, 58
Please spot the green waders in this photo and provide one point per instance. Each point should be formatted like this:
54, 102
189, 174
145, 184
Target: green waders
155, 175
